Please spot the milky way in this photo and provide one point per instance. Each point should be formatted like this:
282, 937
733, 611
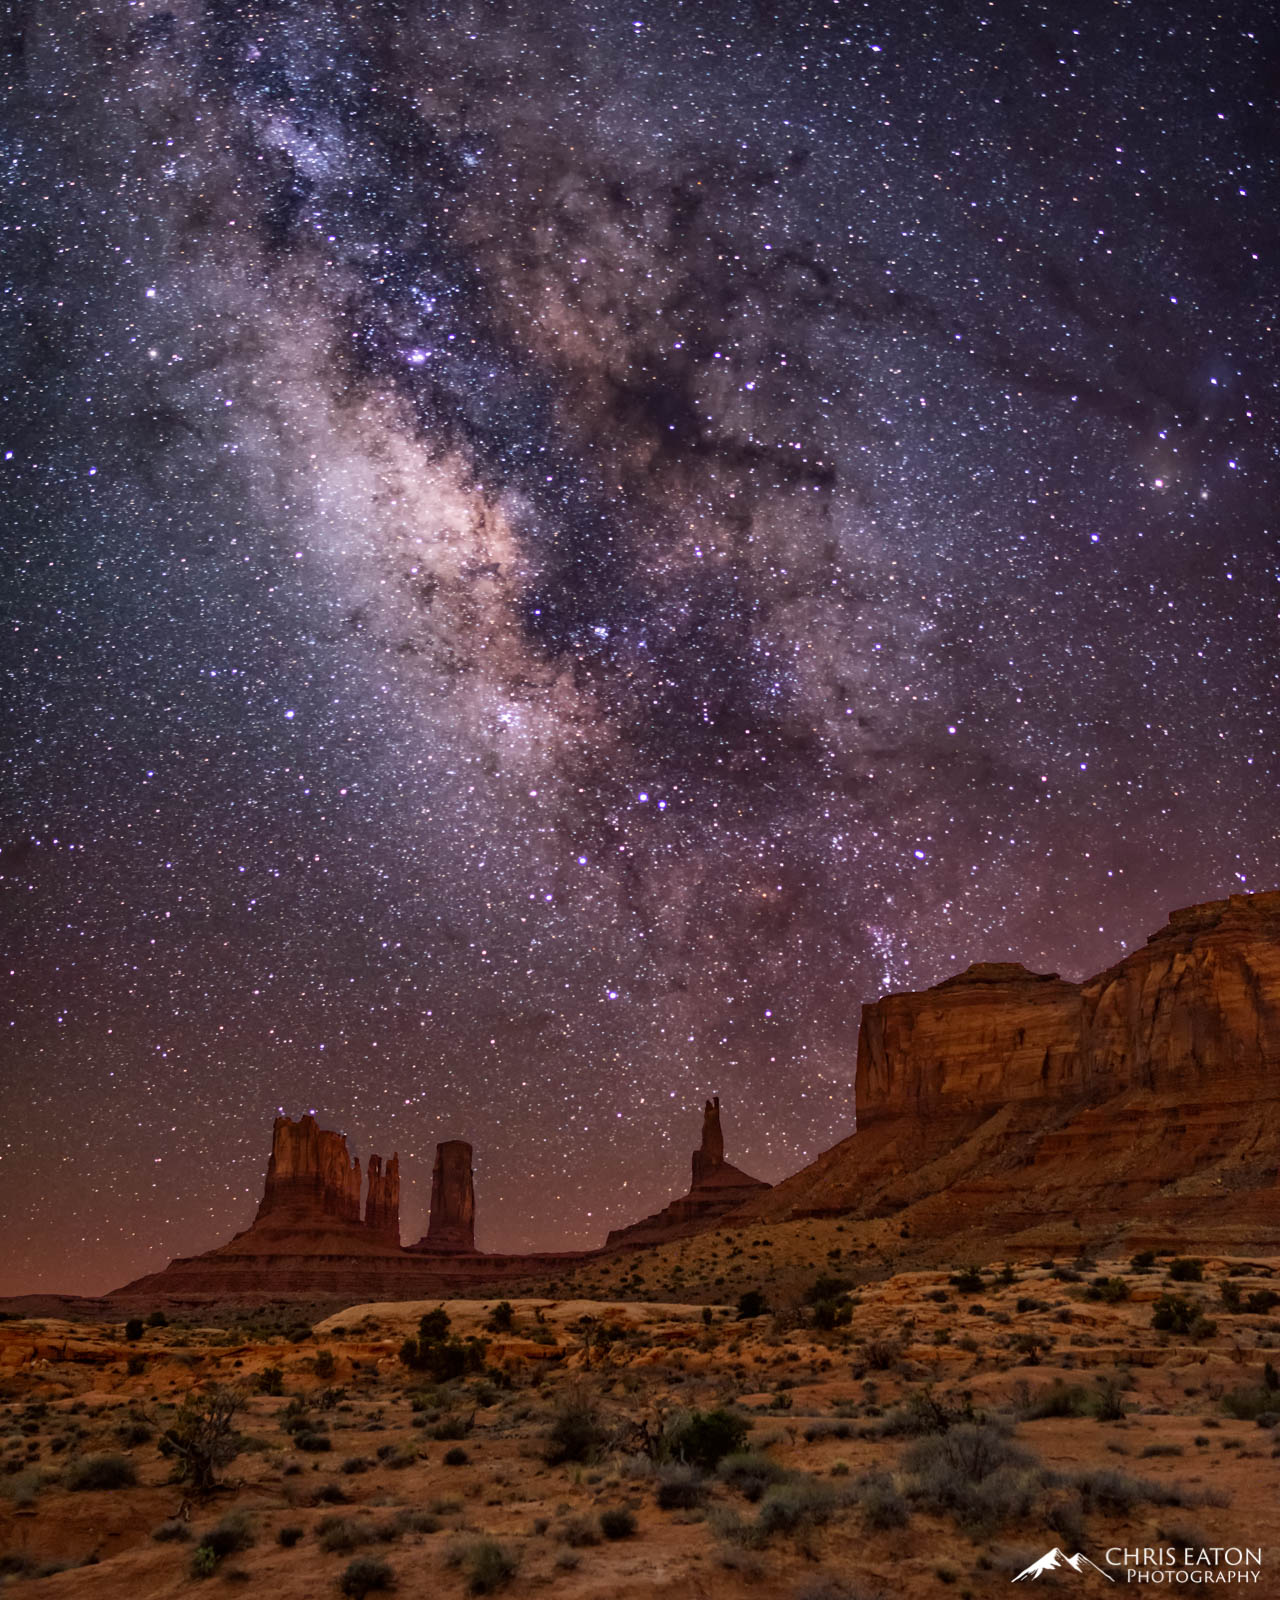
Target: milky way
555, 553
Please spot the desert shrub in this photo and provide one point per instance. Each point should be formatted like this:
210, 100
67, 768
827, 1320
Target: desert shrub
1261, 1301
229, 1535
434, 1326
444, 1360
829, 1314
135, 1365
488, 1566
1143, 1261
157, 1319
271, 1380
174, 1531
1186, 1269
968, 1281
399, 1456
882, 1354
202, 1439
704, 1438
1109, 1290
501, 1318
366, 1575
1109, 1403
340, 1534
450, 1427
923, 1412
1231, 1295
457, 1457
752, 1304
1173, 1313
133, 1329
973, 1473
1109, 1490
203, 1562
617, 1523
103, 1471
792, 1507
324, 1364
883, 1506
576, 1433
289, 1536
750, 1473
134, 1432
313, 1442
1247, 1404
355, 1464
578, 1532
1058, 1400
826, 1287
410, 1520
680, 1488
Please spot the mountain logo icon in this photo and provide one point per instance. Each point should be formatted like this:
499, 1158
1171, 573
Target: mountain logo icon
1056, 1560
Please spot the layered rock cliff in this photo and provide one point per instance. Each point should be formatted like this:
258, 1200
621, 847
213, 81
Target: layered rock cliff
717, 1187
1146, 1098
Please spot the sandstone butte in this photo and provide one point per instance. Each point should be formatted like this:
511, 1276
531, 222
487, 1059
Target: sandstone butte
999, 1109
1025, 1111
717, 1188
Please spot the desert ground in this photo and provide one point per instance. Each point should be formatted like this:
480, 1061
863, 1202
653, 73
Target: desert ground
641, 1434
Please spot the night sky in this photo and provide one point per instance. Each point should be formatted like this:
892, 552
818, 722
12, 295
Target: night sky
552, 553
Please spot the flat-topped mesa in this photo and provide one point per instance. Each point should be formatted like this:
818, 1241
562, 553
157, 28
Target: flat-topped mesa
382, 1204
310, 1175
1013, 1105
451, 1229
1198, 1004
717, 1187
993, 1033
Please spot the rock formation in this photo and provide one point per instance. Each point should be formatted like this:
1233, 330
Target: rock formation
382, 1205
717, 1187
451, 1229
309, 1175
1145, 1099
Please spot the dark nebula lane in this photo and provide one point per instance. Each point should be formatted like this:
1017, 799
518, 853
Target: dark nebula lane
552, 553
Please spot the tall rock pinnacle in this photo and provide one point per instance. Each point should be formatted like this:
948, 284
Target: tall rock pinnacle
453, 1201
382, 1206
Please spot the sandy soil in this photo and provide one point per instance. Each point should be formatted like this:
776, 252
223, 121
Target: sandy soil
936, 1439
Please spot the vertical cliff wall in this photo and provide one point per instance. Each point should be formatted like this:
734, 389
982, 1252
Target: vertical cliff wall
309, 1174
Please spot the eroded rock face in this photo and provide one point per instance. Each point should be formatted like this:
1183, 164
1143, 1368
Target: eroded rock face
994, 1033
1007, 1103
452, 1225
309, 1174
382, 1205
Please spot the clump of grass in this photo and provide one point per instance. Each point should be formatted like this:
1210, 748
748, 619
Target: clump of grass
488, 1565
106, 1470
339, 1534
750, 1472
883, 1505
174, 1531
366, 1575
680, 1488
617, 1523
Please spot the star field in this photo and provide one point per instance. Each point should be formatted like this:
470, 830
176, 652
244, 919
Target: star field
554, 553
